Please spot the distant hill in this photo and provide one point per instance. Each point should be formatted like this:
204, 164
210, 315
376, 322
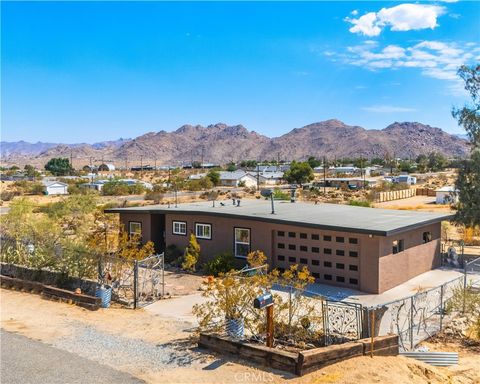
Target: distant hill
221, 143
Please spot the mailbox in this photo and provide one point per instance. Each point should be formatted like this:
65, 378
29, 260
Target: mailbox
263, 301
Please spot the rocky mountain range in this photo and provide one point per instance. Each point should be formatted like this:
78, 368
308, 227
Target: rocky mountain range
221, 143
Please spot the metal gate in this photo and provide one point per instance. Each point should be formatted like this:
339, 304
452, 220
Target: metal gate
149, 280
342, 321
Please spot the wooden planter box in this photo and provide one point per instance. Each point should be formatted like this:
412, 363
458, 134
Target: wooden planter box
50, 292
299, 363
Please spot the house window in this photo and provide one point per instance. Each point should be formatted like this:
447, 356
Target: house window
340, 239
281, 258
303, 235
340, 279
327, 277
353, 240
303, 261
340, 266
315, 250
292, 259
315, 275
427, 237
203, 231
353, 267
292, 247
315, 262
327, 251
291, 234
281, 245
179, 228
280, 233
242, 242
353, 254
353, 281
327, 264
135, 229
397, 246
303, 248
327, 238
340, 252
315, 237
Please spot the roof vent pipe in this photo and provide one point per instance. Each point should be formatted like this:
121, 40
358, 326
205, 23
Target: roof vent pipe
273, 205
238, 202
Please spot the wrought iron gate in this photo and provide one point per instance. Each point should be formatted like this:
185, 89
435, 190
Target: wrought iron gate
342, 321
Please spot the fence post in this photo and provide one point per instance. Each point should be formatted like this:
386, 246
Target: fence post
289, 309
464, 285
441, 306
163, 275
411, 323
135, 284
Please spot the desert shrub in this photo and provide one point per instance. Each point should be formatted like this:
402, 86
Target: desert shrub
192, 254
221, 263
278, 194
256, 259
360, 203
8, 195
156, 196
36, 189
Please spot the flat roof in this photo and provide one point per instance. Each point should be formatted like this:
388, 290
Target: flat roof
337, 217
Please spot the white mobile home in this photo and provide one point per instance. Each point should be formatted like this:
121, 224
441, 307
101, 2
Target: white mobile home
55, 188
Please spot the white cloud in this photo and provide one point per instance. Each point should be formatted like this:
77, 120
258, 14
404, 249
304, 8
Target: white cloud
403, 17
354, 12
435, 59
387, 109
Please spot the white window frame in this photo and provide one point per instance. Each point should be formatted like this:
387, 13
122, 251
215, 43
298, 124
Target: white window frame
235, 241
179, 230
201, 235
133, 233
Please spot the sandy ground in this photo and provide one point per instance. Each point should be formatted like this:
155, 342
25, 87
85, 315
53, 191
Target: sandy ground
155, 346
415, 203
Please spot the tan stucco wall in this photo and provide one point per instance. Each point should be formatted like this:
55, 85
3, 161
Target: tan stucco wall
416, 259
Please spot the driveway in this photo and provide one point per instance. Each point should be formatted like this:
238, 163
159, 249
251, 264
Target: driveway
28, 361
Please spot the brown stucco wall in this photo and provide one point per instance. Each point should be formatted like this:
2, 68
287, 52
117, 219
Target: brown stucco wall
377, 268
416, 259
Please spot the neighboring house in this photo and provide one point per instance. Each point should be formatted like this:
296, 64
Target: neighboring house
268, 177
446, 195
345, 182
55, 188
231, 179
369, 249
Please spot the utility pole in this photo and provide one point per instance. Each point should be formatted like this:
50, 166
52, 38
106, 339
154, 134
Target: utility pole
71, 161
155, 164
324, 175
203, 152
126, 163
258, 176
91, 168
141, 165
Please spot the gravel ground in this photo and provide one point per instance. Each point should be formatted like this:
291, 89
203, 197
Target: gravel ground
29, 361
127, 353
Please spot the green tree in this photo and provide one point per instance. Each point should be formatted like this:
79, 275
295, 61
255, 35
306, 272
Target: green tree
192, 254
468, 116
214, 177
59, 166
437, 162
299, 173
313, 162
422, 163
231, 167
30, 170
468, 180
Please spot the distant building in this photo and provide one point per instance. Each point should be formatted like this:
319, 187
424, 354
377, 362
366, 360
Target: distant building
231, 179
446, 195
268, 177
54, 188
106, 168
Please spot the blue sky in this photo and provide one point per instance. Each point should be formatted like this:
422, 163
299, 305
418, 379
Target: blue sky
88, 71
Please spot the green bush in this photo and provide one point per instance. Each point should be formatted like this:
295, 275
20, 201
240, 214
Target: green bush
222, 263
360, 203
172, 254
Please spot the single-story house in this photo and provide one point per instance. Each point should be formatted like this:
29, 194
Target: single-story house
446, 195
231, 179
268, 178
368, 249
345, 182
55, 188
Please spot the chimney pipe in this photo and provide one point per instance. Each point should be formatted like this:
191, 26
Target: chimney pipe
273, 206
